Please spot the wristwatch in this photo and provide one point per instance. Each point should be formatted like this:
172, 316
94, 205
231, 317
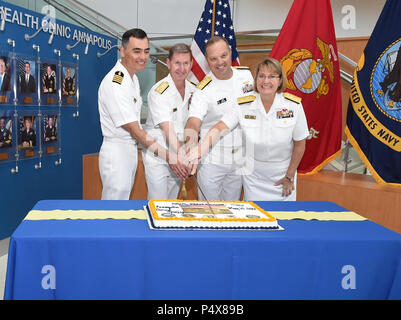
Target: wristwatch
289, 179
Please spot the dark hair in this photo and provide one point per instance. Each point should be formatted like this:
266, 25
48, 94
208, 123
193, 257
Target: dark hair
136, 33
179, 48
215, 39
27, 62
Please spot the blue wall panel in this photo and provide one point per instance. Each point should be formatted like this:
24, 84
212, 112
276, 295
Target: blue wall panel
78, 135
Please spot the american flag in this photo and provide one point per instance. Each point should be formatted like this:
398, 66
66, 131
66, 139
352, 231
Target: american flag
215, 21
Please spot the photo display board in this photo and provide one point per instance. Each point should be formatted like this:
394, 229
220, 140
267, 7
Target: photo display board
44, 64
33, 91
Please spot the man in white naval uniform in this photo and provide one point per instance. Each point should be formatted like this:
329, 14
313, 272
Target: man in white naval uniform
219, 174
120, 104
168, 102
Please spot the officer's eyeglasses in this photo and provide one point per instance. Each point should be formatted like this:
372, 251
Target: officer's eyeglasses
262, 76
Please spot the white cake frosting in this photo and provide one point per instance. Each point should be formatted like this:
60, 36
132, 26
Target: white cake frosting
179, 214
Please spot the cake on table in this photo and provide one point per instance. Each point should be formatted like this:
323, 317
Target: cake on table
230, 215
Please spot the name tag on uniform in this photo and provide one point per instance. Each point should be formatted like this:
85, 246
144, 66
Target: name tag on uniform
221, 101
134, 100
249, 116
174, 109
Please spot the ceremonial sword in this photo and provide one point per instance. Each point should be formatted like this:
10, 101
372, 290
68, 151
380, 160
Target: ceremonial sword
196, 181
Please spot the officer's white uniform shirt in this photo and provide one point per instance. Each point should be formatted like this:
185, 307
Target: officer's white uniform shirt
270, 134
219, 174
120, 103
217, 98
165, 104
268, 142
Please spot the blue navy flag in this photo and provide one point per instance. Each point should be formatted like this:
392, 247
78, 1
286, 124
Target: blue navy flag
215, 21
374, 111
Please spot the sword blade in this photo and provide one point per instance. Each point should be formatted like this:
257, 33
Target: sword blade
200, 189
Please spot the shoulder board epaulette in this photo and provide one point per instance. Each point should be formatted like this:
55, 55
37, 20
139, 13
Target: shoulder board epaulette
292, 97
118, 77
241, 67
162, 87
194, 83
204, 82
246, 99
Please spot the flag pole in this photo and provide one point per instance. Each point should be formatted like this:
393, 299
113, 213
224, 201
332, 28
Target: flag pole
213, 17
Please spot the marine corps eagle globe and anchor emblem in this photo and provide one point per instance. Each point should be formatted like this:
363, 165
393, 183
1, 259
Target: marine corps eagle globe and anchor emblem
385, 82
310, 73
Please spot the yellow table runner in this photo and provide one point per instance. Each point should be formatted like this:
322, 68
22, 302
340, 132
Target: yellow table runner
140, 214
321, 215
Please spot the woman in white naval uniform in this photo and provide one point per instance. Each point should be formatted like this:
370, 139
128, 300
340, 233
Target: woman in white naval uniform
274, 128
168, 102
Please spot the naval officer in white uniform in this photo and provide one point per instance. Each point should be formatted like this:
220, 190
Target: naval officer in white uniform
119, 103
219, 174
275, 129
168, 102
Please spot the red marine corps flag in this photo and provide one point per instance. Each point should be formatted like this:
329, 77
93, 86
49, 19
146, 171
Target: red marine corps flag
307, 50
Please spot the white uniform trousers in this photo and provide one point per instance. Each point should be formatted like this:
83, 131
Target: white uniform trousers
161, 181
118, 160
220, 181
259, 178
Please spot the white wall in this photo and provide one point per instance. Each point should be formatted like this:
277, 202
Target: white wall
260, 14
366, 12
271, 14
177, 17
156, 17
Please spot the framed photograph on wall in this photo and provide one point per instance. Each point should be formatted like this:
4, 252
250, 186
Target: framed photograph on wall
69, 85
49, 84
27, 80
6, 78
7, 144
28, 135
50, 122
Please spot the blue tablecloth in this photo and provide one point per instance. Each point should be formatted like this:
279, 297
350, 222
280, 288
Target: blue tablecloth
124, 259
